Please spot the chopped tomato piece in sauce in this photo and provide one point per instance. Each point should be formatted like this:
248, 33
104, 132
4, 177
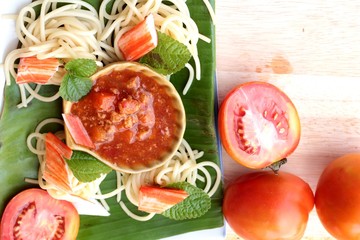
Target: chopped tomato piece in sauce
105, 101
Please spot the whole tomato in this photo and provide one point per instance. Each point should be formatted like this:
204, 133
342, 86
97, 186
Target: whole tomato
337, 197
264, 205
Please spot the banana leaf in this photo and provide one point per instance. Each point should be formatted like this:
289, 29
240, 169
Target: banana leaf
17, 162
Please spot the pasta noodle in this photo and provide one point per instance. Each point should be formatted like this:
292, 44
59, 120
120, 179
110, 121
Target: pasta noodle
183, 166
190, 80
211, 10
77, 30
169, 20
79, 189
65, 32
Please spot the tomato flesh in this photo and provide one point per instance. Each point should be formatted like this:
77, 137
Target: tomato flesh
258, 124
263, 205
337, 197
34, 214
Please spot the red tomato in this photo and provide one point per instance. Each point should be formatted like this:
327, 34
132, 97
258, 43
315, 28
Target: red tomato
337, 197
33, 214
263, 205
258, 124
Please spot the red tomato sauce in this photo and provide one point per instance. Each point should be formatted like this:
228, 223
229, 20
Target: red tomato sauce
129, 117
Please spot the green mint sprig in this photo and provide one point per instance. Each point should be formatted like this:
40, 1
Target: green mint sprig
194, 206
169, 56
76, 82
85, 167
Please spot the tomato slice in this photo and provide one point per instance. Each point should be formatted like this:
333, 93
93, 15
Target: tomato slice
34, 214
258, 124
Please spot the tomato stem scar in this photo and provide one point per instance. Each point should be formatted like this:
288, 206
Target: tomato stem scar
275, 167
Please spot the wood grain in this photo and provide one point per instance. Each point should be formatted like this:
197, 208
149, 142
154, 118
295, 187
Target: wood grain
309, 49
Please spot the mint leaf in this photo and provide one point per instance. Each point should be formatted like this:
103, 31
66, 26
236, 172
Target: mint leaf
194, 206
85, 167
73, 88
168, 57
81, 67
76, 83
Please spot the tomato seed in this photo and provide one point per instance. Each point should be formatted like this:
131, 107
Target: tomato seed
265, 114
60, 228
240, 131
275, 115
241, 111
29, 209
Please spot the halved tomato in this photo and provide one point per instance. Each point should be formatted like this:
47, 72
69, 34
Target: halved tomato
34, 214
258, 124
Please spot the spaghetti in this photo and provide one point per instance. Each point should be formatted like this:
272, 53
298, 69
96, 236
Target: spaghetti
183, 166
77, 30
63, 32
79, 189
68, 29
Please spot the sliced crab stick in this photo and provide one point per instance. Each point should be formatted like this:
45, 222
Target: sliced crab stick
34, 70
58, 145
77, 130
158, 200
55, 171
139, 40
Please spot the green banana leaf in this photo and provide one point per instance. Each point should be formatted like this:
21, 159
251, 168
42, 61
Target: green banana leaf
17, 162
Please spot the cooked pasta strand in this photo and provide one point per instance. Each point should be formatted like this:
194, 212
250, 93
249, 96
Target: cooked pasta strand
75, 30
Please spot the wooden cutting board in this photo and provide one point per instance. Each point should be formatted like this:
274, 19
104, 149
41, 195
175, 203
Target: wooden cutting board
311, 50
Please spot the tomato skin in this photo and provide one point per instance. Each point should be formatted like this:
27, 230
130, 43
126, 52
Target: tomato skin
258, 124
263, 205
337, 197
47, 209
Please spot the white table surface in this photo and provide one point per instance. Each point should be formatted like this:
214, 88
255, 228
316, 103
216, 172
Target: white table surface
309, 49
